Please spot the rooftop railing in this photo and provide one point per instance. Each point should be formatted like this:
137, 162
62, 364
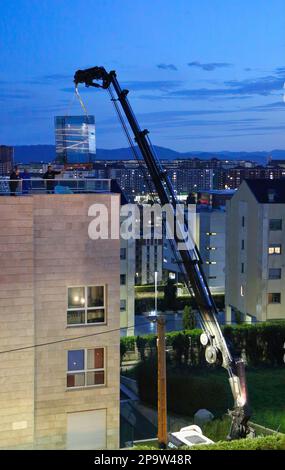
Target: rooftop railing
24, 187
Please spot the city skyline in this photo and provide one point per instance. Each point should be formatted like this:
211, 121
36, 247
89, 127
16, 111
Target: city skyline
209, 77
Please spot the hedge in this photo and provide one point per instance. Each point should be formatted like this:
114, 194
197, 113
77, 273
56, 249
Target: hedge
274, 442
263, 344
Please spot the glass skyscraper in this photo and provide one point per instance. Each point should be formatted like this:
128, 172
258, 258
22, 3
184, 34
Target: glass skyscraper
75, 139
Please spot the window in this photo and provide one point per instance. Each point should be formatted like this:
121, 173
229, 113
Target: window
274, 273
123, 304
86, 305
242, 268
275, 224
123, 279
123, 253
274, 249
85, 367
243, 221
242, 244
210, 248
211, 262
274, 298
211, 233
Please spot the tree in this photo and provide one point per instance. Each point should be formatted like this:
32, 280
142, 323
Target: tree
189, 320
170, 295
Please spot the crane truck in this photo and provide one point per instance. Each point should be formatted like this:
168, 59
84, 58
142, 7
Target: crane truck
216, 347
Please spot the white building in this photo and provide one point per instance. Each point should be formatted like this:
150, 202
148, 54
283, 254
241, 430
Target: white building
209, 236
255, 255
127, 286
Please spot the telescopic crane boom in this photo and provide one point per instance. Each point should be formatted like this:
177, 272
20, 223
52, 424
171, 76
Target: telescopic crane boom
212, 337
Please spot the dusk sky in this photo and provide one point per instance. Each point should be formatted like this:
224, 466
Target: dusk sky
202, 74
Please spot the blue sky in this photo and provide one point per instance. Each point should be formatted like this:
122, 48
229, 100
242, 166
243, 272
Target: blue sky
203, 74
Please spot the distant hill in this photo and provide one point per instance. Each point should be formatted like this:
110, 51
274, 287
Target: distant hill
46, 153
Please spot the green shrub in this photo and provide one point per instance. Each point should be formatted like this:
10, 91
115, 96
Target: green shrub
189, 319
273, 442
263, 343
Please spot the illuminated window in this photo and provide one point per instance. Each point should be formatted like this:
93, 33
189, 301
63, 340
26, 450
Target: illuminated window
274, 249
242, 291
86, 305
274, 298
211, 262
85, 367
211, 233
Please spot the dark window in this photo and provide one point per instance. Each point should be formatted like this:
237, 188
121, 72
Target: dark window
274, 298
242, 267
274, 273
243, 221
123, 279
275, 224
123, 253
242, 244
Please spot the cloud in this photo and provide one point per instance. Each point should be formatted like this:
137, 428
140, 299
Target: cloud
137, 85
232, 89
167, 67
6, 95
259, 86
208, 67
269, 106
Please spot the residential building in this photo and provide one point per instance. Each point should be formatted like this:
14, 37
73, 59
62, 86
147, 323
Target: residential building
149, 259
59, 324
75, 139
127, 286
6, 159
233, 177
209, 235
255, 254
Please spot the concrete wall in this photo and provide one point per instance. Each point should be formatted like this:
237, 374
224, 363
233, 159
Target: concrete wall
248, 291
47, 239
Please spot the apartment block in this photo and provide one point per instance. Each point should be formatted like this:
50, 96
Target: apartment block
255, 251
127, 286
59, 324
6, 159
209, 235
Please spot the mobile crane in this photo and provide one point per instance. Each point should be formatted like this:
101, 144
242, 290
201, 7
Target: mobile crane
217, 349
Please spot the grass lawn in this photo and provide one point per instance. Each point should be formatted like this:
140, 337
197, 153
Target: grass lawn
266, 389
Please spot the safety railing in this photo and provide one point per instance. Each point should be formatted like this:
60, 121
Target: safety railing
28, 186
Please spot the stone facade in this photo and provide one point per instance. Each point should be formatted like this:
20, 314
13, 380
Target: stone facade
44, 249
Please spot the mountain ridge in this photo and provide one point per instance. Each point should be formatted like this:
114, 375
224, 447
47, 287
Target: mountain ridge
46, 153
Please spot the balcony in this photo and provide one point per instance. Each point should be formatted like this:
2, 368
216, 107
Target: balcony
26, 187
